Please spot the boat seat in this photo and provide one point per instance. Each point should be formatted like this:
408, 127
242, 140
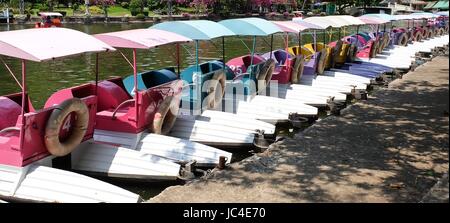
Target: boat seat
281, 56
9, 112
158, 77
110, 95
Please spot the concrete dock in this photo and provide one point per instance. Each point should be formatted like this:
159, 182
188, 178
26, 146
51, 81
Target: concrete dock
391, 148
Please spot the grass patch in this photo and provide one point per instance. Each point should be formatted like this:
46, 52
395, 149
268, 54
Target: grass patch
118, 11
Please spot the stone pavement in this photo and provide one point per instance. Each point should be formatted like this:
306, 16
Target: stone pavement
391, 148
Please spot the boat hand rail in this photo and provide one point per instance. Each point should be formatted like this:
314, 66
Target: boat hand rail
240, 75
120, 105
188, 85
209, 58
8, 129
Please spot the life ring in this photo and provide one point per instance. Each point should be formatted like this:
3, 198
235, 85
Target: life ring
403, 39
214, 96
266, 72
441, 31
336, 52
58, 118
321, 63
418, 37
430, 33
351, 54
165, 117
373, 49
384, 40
437, 32
297, 68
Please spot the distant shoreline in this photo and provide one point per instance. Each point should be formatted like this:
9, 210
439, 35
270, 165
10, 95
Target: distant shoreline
150, 19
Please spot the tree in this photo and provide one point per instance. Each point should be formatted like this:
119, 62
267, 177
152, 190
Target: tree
86, 5
104, 4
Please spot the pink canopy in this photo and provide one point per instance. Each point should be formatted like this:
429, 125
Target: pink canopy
294, 27
141, 38
372, 20
46, 44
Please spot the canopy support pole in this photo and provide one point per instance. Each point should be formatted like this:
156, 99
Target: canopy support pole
223, 52
136, 91
253, 54
287, 63
178, 59
315, 41
96, 73
12, 73
196, 55
378, 30
299, 39
356, 36
24, 101
324, 36
243, 43
271, 46
330, 36
123, 55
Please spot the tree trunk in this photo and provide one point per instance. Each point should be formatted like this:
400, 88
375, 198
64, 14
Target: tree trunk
86, 4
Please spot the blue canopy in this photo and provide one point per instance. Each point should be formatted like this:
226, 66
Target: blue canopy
386, 17
195, 29
251, 26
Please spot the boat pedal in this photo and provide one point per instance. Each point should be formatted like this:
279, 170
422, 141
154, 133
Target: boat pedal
359, 94
187, 172
222, 162
336, 107
260, 142
300, 122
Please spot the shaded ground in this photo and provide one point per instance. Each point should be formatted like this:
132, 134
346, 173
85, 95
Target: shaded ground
391, 148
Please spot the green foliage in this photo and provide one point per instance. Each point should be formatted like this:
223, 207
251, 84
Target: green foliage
95, 10
140, 16
125, 5
43, 8
75, 6
135, 4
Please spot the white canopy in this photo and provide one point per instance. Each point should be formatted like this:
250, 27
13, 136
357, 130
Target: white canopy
323, 22
50, 14
347, 20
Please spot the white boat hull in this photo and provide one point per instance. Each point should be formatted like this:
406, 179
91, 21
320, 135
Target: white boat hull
39, 183
121, 162
158, 146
